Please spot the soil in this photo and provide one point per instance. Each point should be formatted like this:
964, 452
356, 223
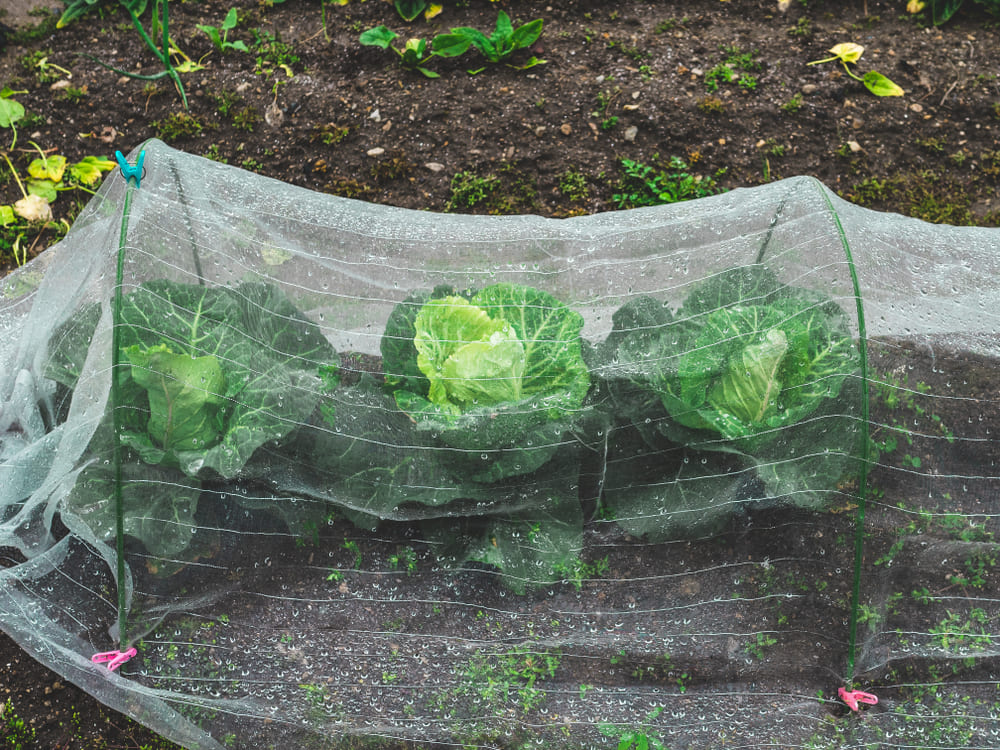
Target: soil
622, 84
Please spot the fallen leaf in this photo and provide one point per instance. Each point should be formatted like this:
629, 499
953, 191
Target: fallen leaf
33, 208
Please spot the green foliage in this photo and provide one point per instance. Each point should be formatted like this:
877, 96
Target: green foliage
415, 52
222, 372
508, 679
727, 70
643, 185
502, 43
573, 185
759, 644
178, 126
11, 111
634, 738
271, 53
156, 39
480, 393
943, 10
220, 35
962, 635
510, 355
793, 105
16, 732
747, 375
469, 189
410, 9
849, 52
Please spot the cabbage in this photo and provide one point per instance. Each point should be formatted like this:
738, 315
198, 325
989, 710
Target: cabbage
748, 392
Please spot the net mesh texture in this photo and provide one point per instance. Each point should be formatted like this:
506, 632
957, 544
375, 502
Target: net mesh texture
349, 475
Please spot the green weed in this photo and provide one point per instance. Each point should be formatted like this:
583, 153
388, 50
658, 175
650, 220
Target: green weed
178, 126
643, 185
469, 190
634, 738
573, 185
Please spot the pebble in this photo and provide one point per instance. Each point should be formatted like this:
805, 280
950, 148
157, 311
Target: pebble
566, 128
540, 130
434, 166
631, 133
62, 83
917, 107
854, 146
809, 88
376, 116
243, 87
377, 151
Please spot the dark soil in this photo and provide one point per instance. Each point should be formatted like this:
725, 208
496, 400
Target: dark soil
628, 83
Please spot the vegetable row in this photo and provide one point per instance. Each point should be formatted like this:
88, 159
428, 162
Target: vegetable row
489, 419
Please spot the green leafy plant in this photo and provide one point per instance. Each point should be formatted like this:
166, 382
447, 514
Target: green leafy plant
48, 175
501, 44
759, 645
482, 395
634, 738
415, 52
643, 185
11, 111
224, 371
943, 10
507, 354
164, 50
746, 376
849, 52
220, 35
469, 189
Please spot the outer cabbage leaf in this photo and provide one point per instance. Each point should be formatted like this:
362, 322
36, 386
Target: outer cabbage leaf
534, 537
672, 493
159, 505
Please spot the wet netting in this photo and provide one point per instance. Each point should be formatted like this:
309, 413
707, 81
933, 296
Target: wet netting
720, 474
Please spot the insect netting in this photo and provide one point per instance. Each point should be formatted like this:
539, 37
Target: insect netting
346, 474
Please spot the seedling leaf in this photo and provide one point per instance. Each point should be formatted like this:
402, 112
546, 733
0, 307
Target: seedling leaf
44, 189
879, 85
848, 51
10, 110
450, 45
410, 9
380, 36
88, 170
48, 168
526, 35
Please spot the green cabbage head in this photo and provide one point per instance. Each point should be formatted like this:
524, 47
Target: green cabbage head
498, 375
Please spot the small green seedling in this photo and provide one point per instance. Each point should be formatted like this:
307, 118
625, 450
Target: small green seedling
415, 52
634, 738
10, 112
219, 36
849, 52
501, 44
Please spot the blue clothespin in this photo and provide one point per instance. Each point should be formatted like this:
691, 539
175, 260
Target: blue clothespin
128, 170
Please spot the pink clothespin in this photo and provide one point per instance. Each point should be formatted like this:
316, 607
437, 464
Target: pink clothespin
113, 659
853, 697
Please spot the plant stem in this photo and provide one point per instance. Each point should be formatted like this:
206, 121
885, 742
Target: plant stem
16, 178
